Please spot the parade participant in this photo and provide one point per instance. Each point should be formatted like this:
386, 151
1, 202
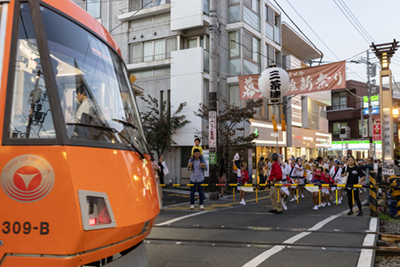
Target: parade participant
292, 179
284, 191
275, 177
353, 173
244, 177
325, 163
261, 176
326, 194
299, 172
196, 178
335, 172
316, 180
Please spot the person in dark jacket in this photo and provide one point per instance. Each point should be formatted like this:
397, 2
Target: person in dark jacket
354, 173
161, 171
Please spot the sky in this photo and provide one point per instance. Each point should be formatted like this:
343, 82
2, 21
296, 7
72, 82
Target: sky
380, 18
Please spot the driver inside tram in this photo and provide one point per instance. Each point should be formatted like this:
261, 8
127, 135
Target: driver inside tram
86, 104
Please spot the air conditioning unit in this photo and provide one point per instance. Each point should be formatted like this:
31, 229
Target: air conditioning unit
344, 132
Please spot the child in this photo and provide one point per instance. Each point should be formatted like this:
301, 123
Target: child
326, 179
316, 173
242, 178
197, 146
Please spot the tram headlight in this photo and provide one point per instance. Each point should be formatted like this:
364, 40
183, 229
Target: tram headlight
95, 210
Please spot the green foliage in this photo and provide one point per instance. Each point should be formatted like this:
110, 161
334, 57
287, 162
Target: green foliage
160, 125
231, 120
387, 218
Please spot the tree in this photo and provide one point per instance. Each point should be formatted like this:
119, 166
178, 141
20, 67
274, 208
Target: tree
230, 125
160, 125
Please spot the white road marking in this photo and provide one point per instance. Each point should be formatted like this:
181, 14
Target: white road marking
182, 218
367, 255
270, 252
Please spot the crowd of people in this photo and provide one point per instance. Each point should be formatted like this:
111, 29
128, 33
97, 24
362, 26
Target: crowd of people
319, 171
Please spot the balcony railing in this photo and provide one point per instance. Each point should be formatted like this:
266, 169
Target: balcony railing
144, 5
150, 58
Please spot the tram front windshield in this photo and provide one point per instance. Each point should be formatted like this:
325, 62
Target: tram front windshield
92, 83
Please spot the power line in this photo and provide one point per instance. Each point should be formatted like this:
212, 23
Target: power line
346, 15
359, 24
322, 54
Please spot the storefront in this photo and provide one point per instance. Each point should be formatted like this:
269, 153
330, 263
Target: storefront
356, 148
309, 143
268, 141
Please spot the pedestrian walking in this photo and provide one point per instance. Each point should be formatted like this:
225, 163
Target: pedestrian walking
196, 178
275, 177
353, 172
161, 169
261, 176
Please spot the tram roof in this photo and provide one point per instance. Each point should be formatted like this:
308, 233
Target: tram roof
76, 12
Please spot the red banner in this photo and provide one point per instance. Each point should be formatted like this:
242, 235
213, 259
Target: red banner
316, 79
302, 81
248, 87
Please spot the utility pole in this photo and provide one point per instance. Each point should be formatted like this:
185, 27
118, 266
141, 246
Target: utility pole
370, 128
213, 104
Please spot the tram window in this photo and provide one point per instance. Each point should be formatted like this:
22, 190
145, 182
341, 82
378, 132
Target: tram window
31, 116
85, 61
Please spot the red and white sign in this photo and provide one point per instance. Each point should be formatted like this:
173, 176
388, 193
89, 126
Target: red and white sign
27, 178
377, 120
377, 131
302, 81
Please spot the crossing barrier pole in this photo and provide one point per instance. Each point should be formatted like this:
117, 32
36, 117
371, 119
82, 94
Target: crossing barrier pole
337, 202
373, 202
319, 193
297, 194
278, 193
234, 194
352, 194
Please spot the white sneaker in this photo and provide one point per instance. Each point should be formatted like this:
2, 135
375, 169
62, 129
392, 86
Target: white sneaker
340, 201
191, 207
329, 204
201, 207
302, 196
315, 208
293, 200
284, 205
323, 205
243, 203
320, 205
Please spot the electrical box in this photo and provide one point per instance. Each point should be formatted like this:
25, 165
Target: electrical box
344, 132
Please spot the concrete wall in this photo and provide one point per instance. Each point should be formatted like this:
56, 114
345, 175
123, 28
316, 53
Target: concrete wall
187, 84
186, 14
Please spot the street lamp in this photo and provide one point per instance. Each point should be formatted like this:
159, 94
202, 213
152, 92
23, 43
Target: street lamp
395, 113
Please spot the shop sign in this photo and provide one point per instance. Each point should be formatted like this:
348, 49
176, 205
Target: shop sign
212, 135
377, 134
386, 134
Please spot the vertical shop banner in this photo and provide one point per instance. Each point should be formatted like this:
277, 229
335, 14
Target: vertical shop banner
302, 81
377, 135
212, 131
206, 156
386, 135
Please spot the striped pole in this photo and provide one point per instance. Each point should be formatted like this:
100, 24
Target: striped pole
373, 202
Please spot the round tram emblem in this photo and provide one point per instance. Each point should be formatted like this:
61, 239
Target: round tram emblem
27, 178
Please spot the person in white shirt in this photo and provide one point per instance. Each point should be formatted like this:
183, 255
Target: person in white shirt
86, 106
298, 172
335, 173
284, 191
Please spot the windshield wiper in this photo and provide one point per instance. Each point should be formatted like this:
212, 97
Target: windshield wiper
111, 130
134, 127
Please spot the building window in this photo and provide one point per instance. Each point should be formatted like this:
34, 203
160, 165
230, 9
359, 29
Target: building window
270, 56
339, 100
142, 4
234, 95
93, 8
234, 11
206, 92
152, 50
234, 53
253, 4
191, 43
360, 126
251, 49
251, 18
142, 74
313, 114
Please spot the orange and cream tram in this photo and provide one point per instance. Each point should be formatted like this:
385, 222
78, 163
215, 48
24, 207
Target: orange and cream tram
77, 185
